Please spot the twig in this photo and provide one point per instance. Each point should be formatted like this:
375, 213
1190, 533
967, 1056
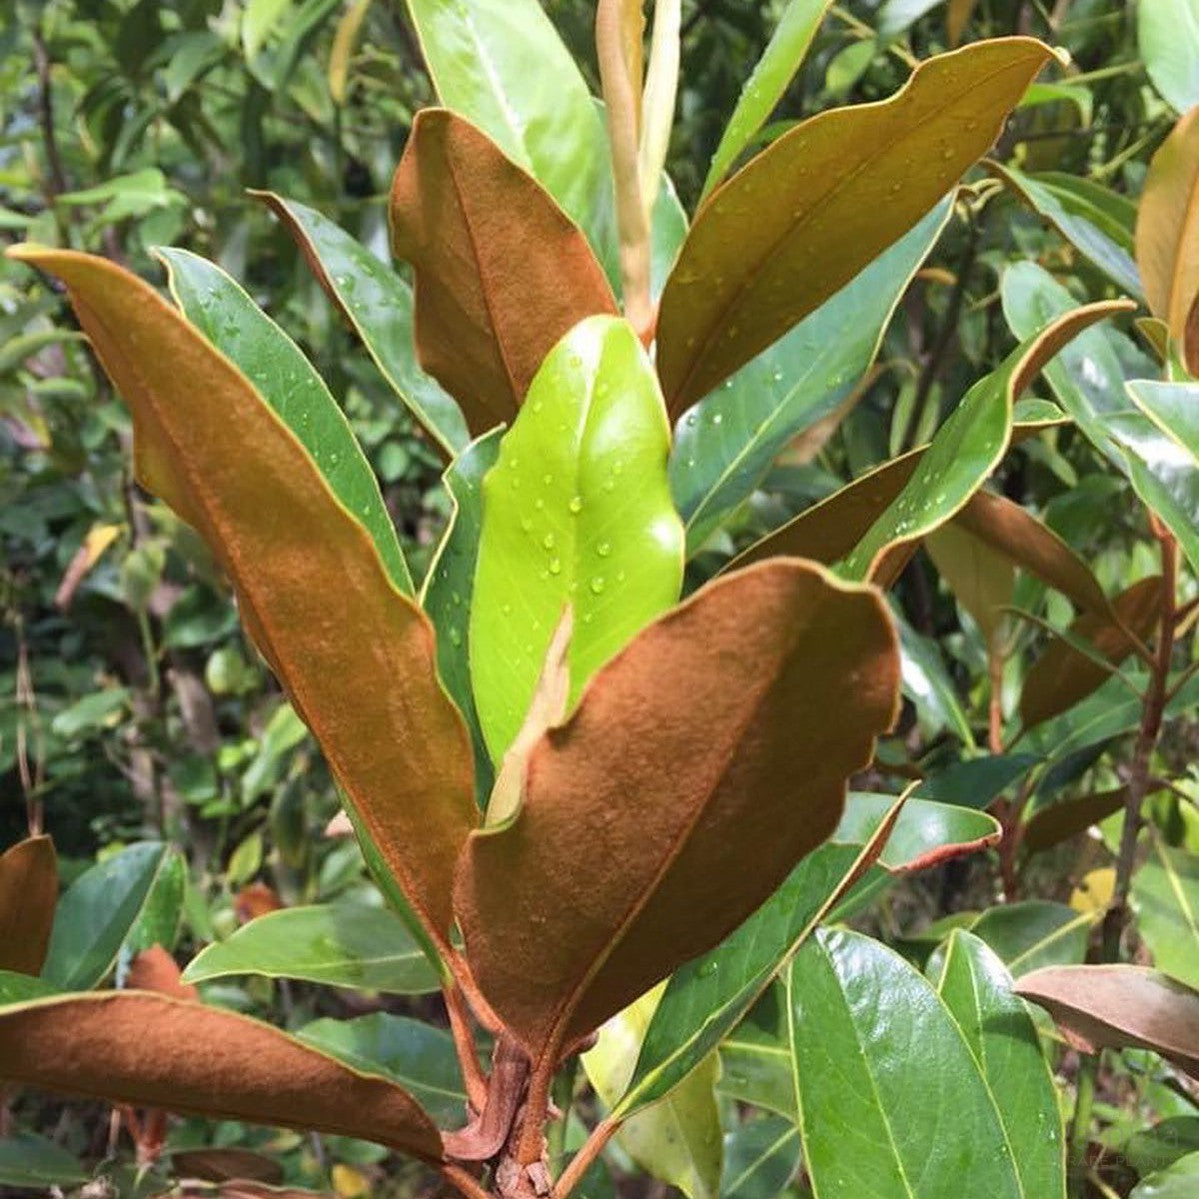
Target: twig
1080, 1125
581, 1162
464, 1044
464, 1182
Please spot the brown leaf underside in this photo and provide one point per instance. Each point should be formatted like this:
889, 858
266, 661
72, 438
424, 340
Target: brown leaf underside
28, 895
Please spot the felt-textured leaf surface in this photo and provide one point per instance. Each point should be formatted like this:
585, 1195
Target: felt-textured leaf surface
576, 511
766, 84
1168, 38
1120, 1007
889, 1108
448, 589
843, 186
967, 447
361, 671
416, 1055
501, 273
1165, 896
377, 302
27, 1160
96, 913
502, 65
28, 894
1106, 252
1167, 237
338, 944
227, 317
721, 736
1062, 675
727, 443
976, 988
760, 1158
145, 1049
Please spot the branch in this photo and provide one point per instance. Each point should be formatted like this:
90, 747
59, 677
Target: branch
581, 1162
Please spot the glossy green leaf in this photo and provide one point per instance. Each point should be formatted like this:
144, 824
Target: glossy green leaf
1165, 895
1179, 1181
96, 913
976, 988
890, 1108
502, 65
1035, 933
1151, 1149
258, 20
27, 1160
927, 684
925, 834
1051, 825
726, 444
416, 1055
1168, 38
277, 368
1111, 212
448, 590
1108, 254
976, 782
340, 945
378, 304
576, 511
17, 988
760, 1158
162, 913
766, 84
843, 186
756, 1061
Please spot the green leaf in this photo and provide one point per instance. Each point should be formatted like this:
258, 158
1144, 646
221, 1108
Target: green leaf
1178, 1181
977, 990
760, 1158
927, 684
27, 1160
1035, 933
18, 988
96, 913
1168, 38
1107, 253
416, 1055
502, 65
1111, 212
95, 711
1165, 895
976, 782
448, 591
340, 945
766, 84
727, 443
755, 1060
378, 304
576, 511
1151, 1149
223, 312
1173, 407
890, 1108
259, 19
162, 913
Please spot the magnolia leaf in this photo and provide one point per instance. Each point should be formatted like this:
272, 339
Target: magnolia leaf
1120, 1007
1034, 933
760, 1158
339, 944
28, 894
286, 380
342, 51
843, 186
27, 1160
501, 273
1050, 826
977, 990
1062, 675
982, 580
1165, 896
577, 511
220, 1164
150, 1050
377, 302
1176, 1181
1168, 38
766, 84
209, 444
908, 1094
1167, 238
721, 736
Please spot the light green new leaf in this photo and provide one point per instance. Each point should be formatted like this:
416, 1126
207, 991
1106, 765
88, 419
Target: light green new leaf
765, 87
977, 989
502, 65
576, 511
258, 20
760, 1158
27, 1160
340, 945
96, 913
894, 1109
448, 589
231, 321
1165, 895
1168, 38
414, 1054
725, 445
378, 304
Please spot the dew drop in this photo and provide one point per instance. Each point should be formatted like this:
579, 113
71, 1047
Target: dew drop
604, 549
576, 505
548, 541
555, 566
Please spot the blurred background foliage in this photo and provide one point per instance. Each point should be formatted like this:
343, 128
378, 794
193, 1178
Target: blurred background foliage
131, 703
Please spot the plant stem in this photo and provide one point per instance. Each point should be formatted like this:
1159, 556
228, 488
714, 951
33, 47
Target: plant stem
581, 1162
464, 1044
1080, 1126
464, 1182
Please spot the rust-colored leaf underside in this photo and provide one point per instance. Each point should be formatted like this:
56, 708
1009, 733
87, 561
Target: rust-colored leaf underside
28, 895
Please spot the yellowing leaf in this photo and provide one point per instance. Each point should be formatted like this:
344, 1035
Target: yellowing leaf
349, 1182
1167, 236
982, 579
803, 217
99, 538
355, 655
28, 894
344, 41
702, 763
1093, 895
501, 272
